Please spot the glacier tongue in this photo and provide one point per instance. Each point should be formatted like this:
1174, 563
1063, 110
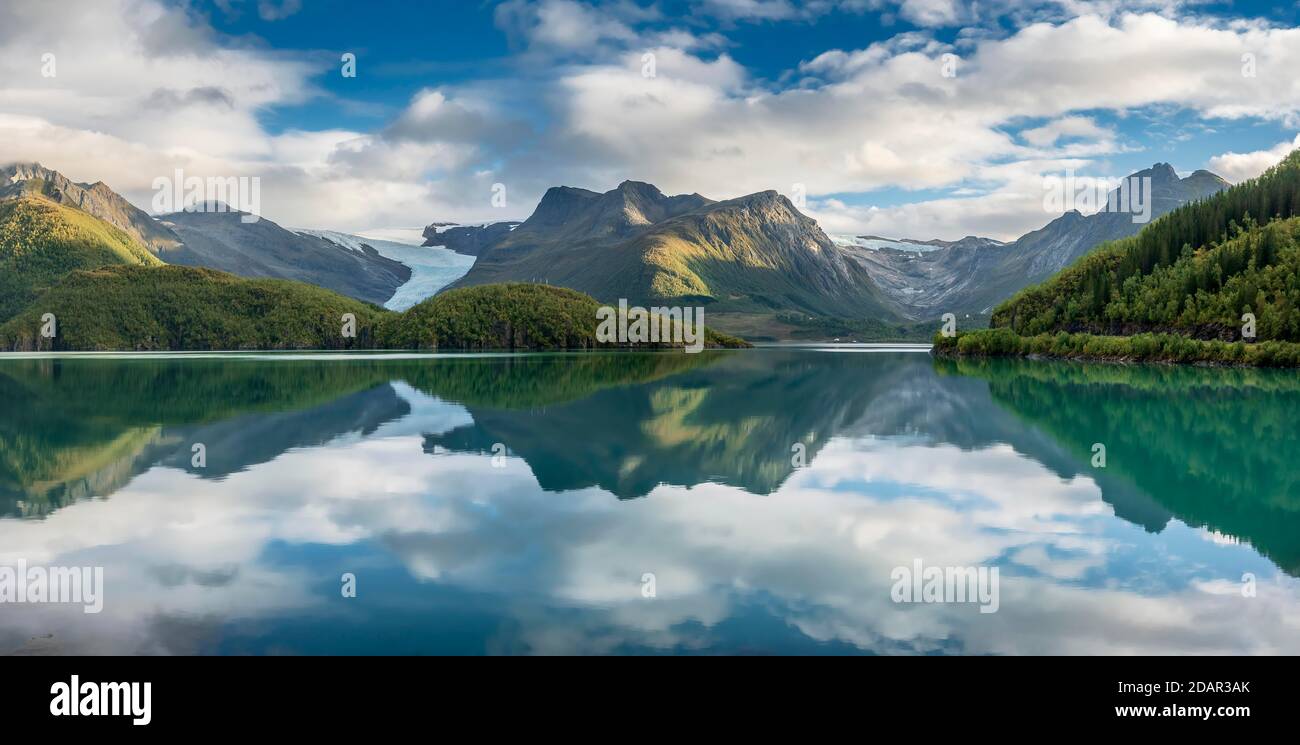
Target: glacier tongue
432, 268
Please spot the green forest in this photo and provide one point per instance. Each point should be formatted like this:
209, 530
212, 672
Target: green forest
1195, 271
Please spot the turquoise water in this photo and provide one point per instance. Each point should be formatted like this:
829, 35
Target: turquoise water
648, 503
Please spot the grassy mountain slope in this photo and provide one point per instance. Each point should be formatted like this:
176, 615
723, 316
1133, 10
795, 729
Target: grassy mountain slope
755, 254
746, 258
34, 180
40, 241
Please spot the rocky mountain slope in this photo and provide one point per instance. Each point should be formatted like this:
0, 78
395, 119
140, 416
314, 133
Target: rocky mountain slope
468, 240
221, 240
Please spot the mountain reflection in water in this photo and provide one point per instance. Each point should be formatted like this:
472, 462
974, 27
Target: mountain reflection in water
619, 465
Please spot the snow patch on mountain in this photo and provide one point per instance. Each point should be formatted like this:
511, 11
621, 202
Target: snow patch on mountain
875, 244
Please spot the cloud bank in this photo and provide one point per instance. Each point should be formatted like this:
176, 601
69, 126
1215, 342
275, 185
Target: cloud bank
894, 138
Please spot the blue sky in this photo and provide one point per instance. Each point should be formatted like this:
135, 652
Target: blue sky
845, 100
459, 41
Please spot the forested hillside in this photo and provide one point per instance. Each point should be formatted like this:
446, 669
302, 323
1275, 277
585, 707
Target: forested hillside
1195, 271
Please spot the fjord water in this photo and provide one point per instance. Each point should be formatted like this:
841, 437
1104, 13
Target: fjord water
517, 504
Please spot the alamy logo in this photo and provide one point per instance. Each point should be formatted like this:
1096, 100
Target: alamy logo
922, 584
92, 699
82, 586
213, 194
636, 325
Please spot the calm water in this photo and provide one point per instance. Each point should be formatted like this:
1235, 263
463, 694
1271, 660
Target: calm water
612, 467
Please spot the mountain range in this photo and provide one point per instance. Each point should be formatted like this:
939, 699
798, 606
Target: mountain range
762, 268
759, 265
744, 259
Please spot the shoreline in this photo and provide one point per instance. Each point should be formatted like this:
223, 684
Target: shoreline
1168, 349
